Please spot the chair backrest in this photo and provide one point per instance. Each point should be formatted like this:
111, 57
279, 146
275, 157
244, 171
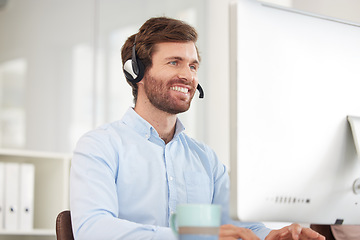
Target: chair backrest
63, 226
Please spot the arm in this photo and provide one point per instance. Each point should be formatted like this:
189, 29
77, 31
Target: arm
93, 196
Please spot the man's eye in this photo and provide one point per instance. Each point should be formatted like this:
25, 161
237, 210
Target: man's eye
173, 63
193, 68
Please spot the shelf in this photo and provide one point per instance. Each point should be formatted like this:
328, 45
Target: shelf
51, 190
34, 232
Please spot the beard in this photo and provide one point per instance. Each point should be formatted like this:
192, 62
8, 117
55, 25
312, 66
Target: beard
159, 95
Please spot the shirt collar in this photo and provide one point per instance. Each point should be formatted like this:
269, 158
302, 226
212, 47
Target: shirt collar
179, 128
142, 127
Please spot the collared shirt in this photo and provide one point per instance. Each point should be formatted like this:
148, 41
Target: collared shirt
125, 182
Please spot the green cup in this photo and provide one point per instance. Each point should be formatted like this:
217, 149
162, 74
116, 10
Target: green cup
196, 221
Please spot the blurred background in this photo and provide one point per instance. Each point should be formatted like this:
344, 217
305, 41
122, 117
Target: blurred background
61, 76
61, 72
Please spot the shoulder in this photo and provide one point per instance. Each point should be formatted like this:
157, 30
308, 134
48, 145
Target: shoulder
99, 147
107, 131
103, 139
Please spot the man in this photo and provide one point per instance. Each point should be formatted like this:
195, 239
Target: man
127, 177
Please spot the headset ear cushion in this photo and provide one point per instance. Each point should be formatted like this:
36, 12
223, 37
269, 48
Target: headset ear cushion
129, 71
141, 68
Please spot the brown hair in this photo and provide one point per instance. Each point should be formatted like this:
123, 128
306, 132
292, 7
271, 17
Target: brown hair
153, 31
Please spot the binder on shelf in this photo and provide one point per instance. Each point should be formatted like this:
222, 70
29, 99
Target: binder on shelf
12, 171
26, 209
2, 194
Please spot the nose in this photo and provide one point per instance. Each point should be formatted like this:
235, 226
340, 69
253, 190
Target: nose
187, 74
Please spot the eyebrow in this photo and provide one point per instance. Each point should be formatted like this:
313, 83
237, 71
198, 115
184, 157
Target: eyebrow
181, 59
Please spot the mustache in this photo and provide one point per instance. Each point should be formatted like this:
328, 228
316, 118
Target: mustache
181, 81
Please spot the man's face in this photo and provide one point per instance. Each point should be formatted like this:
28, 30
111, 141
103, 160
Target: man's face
171, 82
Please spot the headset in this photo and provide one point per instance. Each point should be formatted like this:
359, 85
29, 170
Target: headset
134, 70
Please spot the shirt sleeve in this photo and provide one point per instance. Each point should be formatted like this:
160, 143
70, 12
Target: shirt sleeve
221, 196
93, 198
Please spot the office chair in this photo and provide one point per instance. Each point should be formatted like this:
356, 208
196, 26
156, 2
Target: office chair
63, 226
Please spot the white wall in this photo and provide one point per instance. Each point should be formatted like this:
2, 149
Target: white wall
39, 33
217, 47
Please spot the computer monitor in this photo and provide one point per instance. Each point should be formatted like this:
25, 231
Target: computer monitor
295, 79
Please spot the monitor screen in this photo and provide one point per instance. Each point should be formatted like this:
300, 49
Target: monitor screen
294, 81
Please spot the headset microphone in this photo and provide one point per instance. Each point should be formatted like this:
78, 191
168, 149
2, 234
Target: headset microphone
201, 91
134, 70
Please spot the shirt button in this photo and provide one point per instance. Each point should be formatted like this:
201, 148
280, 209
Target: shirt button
171, 178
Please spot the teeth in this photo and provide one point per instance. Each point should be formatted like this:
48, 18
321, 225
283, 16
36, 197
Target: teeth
180, 89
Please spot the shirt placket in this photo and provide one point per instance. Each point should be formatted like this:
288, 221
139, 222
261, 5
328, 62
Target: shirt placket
170, 177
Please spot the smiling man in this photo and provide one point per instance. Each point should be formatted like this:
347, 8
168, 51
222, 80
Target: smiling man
127, 177
168, 86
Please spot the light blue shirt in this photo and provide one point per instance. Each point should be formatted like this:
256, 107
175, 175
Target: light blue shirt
125, 182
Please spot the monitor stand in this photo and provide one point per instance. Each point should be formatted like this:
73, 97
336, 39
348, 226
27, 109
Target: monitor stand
355, 129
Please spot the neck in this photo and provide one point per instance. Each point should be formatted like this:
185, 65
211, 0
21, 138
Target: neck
163, 122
